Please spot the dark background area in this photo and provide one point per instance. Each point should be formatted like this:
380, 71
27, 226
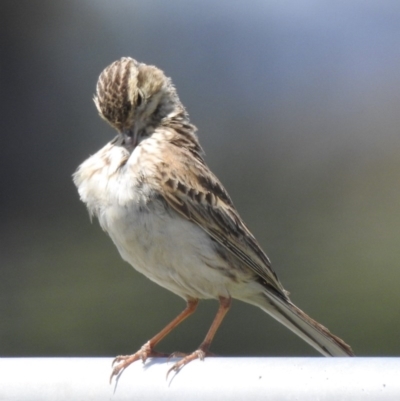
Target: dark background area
298, 109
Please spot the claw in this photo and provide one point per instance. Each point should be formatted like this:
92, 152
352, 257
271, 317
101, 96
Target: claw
198, 354
123, 361
176, 355
119, 358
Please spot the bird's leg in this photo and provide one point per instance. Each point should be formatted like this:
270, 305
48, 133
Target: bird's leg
202, 351
147, 350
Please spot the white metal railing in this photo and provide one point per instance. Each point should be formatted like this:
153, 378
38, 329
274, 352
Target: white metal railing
217, 378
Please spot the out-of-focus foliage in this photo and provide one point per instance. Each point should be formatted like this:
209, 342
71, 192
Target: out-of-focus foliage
298, 109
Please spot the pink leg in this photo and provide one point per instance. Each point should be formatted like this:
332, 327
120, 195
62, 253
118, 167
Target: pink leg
203, 350
147, 350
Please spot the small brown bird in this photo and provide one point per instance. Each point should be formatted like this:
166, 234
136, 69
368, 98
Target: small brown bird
169, 215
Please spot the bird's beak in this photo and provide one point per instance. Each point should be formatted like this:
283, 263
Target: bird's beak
130, 137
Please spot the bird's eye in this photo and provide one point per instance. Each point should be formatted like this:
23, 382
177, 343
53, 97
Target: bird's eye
139, 99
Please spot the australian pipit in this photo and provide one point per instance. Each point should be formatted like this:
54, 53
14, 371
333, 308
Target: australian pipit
169, 215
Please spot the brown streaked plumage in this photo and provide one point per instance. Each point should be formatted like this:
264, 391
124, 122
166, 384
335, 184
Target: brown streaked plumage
171, 218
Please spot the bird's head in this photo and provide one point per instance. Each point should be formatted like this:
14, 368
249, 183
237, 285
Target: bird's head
134, 97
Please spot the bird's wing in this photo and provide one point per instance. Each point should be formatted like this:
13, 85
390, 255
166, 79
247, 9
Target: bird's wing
194, 192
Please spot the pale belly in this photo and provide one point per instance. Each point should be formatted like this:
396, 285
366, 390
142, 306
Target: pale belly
171, 251
158, 242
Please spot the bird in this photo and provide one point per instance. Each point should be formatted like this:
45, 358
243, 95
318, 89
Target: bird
171, 218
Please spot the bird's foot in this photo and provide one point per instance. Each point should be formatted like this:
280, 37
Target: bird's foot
123, 361
198, 354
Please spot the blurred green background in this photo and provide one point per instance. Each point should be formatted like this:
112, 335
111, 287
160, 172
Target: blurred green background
298, 108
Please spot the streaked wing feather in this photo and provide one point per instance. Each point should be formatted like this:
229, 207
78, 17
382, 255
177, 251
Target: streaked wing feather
194, 192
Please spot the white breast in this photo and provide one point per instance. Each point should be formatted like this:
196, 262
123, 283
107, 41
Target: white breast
153, 238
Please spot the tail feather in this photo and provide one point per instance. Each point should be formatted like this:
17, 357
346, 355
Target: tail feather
304, 326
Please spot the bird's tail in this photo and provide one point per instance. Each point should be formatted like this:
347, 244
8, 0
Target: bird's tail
301, 324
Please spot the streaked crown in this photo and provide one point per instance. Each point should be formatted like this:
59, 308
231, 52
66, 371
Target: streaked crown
123, 88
